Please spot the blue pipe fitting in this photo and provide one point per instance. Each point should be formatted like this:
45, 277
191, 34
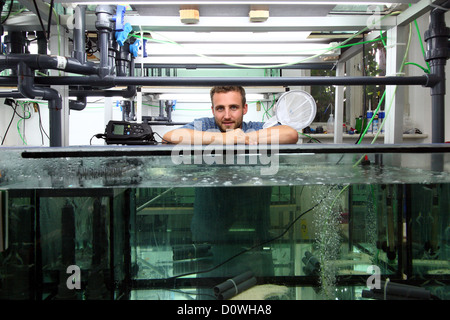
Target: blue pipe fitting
134, 48
121, 36
144, 48
119, 18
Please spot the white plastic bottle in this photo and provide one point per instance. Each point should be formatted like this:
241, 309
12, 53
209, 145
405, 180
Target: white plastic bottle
369, 116
375, 124
381, 119
330, 124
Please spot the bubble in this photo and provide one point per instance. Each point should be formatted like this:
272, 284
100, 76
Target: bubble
326, 221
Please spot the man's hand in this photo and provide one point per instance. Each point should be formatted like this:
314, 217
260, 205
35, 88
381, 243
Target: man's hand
238, 136
274, 135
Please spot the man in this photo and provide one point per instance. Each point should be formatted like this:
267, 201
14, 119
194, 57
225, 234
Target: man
227, 126
217, 209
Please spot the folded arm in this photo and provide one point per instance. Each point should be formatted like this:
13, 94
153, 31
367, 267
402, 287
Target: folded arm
275, 135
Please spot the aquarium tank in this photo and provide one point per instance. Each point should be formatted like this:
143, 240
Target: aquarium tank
302, 222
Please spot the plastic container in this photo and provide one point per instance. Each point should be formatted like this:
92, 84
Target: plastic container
375, 124
381, 116
360, 124
369, 116
330, 124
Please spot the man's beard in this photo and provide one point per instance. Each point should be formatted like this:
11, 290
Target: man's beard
237, 126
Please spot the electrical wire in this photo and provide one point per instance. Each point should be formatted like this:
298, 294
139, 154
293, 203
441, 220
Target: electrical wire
419, 66
18, 114
27, 115
49, 24
266, 111
10, 122
9, 11
22, 137
41, 127
310, 138
162, 139
25, 107
38, 13
402, 65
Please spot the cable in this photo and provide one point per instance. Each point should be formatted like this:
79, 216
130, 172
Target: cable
24, 107
18, 130
40, 19
402, 65
418, 65
258, 244
9, 11
371, 119
9, 102
41, 127
49, 24
98, 136
162, 139
421, 44
266, 111
311, 138
9, 125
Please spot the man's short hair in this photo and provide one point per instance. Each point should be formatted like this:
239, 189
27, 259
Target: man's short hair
225, 89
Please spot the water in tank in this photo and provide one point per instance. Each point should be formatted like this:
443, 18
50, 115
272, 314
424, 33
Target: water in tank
159, 223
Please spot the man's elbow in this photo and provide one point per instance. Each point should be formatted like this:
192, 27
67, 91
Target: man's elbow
293, 137
290, 136
167, 138
178, 136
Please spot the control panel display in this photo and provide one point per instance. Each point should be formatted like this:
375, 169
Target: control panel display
123, 132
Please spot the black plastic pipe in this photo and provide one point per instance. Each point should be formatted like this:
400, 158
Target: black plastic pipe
11, 94
78, 104
109, 81
103, 24
437, 37
41, 61
127, 93
79, 43
79, 51
28, 88
125, 63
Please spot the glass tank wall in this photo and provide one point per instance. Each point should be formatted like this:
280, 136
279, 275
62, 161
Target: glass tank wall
303, 223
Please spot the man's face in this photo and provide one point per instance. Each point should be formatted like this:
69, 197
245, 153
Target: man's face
228, 110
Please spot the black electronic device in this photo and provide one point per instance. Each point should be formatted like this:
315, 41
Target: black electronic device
130, 133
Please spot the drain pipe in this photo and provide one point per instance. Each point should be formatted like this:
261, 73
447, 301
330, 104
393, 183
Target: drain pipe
27, 87
79, 51
121, 70
103, 24
437, 37
111, 56
79, 42
40, 61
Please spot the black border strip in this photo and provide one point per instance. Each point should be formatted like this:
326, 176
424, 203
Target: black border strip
133, 151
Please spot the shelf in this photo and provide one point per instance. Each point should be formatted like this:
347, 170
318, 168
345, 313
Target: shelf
353, 137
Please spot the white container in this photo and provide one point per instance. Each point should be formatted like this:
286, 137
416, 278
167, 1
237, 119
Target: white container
330, 124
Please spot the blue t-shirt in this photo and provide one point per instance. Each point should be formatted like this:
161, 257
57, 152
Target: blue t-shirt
209, 124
